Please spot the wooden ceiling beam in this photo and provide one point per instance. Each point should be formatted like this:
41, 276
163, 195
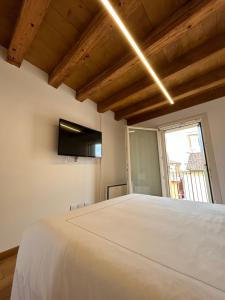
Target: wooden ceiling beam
28, 23
120, 97
209, 80
172, 69
189, 101
92, 35
188, 16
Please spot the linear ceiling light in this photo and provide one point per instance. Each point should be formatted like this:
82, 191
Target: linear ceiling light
134, 45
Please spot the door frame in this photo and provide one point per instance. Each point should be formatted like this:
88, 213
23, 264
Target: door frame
128, 162
211, 164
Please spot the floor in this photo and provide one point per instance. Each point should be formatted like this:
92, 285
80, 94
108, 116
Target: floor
7, 267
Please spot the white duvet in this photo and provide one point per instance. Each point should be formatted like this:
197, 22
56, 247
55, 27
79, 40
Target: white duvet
134, 247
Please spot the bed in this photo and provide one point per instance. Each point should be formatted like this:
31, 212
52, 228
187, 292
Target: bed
135, 247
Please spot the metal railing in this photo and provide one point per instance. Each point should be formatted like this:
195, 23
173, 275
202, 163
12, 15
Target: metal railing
188, 185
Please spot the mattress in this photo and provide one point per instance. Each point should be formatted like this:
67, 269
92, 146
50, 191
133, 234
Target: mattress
135, 247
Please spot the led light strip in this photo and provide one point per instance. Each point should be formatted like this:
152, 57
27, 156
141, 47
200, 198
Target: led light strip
134, 45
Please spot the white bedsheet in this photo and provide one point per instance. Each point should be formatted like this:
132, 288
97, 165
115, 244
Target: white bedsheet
134, 247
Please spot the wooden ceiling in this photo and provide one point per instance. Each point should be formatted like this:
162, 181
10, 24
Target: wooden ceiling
77, 43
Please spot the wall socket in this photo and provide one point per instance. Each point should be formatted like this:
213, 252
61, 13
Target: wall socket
78, 205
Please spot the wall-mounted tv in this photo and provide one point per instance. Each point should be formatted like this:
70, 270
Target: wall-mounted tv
77, 140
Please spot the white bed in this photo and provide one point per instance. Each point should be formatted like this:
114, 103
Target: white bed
134, 247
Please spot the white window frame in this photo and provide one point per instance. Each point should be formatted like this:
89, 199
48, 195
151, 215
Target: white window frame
212, 171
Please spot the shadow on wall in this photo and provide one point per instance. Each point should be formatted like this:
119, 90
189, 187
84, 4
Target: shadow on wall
44, 137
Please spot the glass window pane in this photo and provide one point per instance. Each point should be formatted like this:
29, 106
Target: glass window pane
144, 157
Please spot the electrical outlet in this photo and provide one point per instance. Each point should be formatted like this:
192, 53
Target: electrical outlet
74, 206
78, 205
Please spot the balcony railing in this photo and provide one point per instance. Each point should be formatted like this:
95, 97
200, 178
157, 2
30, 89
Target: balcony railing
188, 185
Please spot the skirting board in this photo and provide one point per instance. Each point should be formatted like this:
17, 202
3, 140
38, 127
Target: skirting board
8, 253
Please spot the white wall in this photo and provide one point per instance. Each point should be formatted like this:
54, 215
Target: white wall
215, 114
34, 180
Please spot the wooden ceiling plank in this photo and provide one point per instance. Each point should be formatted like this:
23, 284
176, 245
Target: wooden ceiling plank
188, 16
121, 96
185, 61
30, 18
213, 78
92, 35
189, 101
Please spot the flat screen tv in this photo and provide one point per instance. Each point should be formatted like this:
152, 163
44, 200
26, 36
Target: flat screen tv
77, 140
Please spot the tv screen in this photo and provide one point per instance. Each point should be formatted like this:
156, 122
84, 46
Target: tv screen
77, 140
